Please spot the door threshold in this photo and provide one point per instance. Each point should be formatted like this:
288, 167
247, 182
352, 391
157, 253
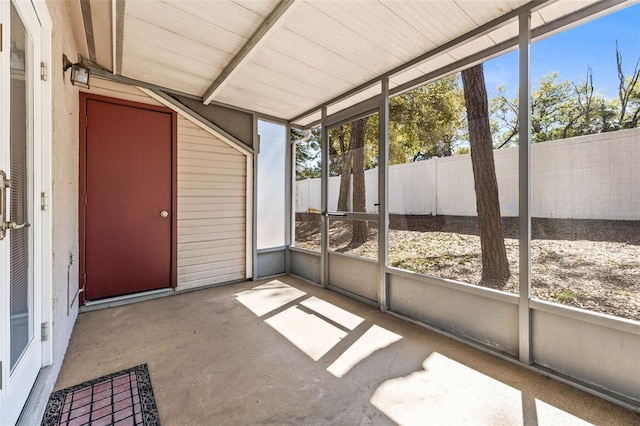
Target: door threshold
38, 398
94, 305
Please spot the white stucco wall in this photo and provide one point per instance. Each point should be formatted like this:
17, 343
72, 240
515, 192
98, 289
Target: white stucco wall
64, 197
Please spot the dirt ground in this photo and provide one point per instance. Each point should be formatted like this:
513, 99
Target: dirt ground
590, 264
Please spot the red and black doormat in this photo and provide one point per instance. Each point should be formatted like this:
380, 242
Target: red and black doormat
124, 398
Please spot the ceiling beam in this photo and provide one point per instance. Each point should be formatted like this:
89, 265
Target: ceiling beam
77, 24
101, 23
117, 34
114, 42
271, 24
85, 5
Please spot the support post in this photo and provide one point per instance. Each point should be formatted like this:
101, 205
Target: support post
524, 174
289, 215
324, 201
383, 197
256, 150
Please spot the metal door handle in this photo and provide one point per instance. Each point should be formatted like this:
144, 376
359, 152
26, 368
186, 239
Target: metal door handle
13, 225
4, 184
164, 213
335, 214
4, 224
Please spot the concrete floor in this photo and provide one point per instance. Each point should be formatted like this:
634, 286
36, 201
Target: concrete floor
282, 351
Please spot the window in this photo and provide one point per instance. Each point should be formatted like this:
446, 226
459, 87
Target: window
307, 188
271, 185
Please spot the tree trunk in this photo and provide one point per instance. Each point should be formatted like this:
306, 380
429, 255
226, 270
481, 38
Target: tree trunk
345, 172
495, 266
358, 128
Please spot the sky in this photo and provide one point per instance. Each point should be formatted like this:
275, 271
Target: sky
570, 52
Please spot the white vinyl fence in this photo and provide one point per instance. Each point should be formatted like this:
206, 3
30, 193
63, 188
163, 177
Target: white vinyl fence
587, 177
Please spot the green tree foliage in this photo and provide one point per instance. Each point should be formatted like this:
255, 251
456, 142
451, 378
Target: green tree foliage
632, 118
342, 158
340, 143
559, 109
628, 94
426, 122
563, 109
307, 153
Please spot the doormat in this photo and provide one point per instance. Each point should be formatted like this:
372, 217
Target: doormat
124, 398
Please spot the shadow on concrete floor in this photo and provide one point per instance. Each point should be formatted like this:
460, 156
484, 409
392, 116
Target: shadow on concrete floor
282, 351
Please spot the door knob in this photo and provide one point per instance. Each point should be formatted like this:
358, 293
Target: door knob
164, 213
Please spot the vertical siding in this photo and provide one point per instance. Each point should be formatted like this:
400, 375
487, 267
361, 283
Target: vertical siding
211, 209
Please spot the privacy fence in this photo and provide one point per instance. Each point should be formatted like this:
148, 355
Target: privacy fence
586, 177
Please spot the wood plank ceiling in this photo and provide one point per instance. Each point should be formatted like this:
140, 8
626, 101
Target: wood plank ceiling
283, 58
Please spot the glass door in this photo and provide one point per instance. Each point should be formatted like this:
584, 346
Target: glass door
21, 349
352, 206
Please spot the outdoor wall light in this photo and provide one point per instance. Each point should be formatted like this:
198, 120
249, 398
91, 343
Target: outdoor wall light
79, 72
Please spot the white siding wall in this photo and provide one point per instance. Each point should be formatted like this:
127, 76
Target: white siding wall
211, 208
586, 177
212, 187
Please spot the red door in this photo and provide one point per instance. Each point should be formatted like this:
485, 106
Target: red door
128, 184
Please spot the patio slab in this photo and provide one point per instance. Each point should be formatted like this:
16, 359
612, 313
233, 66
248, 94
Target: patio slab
282, 351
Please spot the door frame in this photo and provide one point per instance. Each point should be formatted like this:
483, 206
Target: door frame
365, 109
38, 13
84, 98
